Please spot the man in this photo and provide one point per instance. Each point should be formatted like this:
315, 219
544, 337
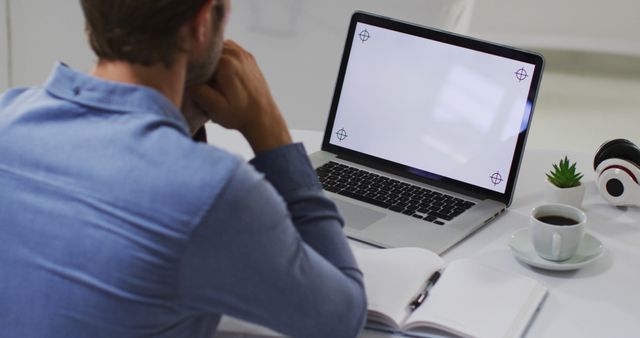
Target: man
115, 223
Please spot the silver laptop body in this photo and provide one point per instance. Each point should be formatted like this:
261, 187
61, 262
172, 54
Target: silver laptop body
424, 124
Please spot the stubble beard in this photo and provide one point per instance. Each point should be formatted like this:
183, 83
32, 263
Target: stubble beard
202, 72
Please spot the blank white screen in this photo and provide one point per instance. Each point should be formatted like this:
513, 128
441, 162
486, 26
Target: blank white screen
444, 109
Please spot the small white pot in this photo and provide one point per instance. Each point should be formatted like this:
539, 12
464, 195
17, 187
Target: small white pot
570, 196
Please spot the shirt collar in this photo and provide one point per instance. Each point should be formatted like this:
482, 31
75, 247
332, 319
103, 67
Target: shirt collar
87, 90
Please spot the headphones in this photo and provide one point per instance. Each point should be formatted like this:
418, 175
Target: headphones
617, 166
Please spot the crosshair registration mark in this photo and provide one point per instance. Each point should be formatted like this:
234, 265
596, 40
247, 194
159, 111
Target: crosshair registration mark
342, 134
364, 35
496, 178
521, 74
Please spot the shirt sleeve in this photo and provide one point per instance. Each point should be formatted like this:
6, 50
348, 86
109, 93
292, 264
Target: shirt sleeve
271, 251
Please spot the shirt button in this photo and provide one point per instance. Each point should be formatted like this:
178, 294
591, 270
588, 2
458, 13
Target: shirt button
76, 91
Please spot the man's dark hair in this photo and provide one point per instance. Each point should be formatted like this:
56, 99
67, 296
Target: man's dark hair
138, 31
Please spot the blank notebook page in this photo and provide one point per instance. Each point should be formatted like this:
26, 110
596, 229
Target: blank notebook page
479, 301
393, 277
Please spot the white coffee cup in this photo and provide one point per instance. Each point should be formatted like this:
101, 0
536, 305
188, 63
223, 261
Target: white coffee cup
551, 240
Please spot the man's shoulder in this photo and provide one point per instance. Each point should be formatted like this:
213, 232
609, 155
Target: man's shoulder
194, 171
14, 95
210, 175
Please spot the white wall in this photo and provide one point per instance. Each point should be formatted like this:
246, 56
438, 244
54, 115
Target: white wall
583, 25
44, 32
4, 47
299, 43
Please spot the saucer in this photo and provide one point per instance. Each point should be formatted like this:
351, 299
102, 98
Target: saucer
590, 249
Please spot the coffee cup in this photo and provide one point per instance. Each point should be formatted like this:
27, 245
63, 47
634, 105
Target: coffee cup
556, 230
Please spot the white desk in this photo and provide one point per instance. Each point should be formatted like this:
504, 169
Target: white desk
599, 300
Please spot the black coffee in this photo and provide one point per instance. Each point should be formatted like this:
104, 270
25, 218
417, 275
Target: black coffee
557, 220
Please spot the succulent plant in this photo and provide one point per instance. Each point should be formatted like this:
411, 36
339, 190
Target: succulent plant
564, 174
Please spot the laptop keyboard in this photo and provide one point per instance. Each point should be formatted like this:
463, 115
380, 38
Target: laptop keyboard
387, 193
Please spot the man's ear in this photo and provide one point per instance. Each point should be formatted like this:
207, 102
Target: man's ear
200, 25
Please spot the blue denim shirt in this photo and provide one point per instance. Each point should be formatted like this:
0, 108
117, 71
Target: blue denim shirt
115, 223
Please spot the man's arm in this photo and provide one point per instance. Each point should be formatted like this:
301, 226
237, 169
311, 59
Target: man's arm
248, 259
271, 250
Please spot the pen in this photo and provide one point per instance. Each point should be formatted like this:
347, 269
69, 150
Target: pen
423, 295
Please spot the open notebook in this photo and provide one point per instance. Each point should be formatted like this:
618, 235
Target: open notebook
468, 300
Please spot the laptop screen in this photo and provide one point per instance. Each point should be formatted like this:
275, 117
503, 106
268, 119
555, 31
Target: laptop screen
442, 109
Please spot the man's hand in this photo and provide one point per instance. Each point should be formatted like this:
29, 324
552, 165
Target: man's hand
238, 97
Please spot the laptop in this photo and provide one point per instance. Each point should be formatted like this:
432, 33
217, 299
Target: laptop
426, 132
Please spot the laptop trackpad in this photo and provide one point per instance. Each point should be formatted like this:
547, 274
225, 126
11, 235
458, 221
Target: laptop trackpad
358, 217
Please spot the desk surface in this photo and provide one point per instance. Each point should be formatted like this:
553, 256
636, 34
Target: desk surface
599, 300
